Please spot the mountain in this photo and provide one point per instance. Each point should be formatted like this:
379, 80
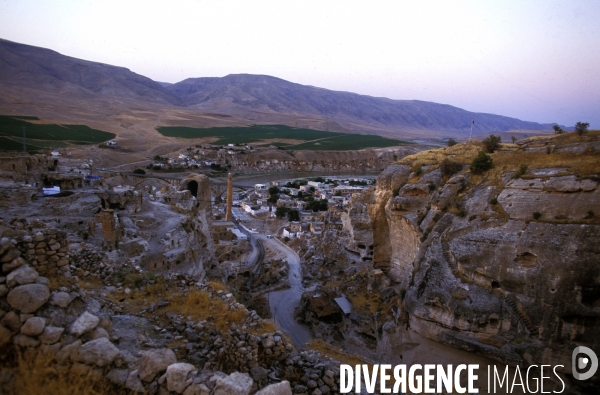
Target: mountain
240, 93
42, 79
43, 69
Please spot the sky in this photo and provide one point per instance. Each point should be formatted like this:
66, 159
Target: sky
536, 60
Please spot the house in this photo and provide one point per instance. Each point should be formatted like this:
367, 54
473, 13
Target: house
306, 216
111, 143
316, 228
260, 187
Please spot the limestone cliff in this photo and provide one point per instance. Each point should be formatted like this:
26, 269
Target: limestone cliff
504, 263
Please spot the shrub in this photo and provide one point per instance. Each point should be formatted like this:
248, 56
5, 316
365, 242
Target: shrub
537, 215
462, 212
522, 170
591, 214
418, 170
449, 168
139, 171
432, 186
492, 143
494, 201
451, 142
481, 163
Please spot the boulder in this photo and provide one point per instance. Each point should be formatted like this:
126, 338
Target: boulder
65, 353
98, 333
100, 352
118, 376
11, 321
15, 263
51, 334
3, 290
25, 341
23, 275
154, 362
60, 299
5, 335
33, 326
197, 389
133, 382
28, 298
177, 376
282, 388
84, 324
235, 383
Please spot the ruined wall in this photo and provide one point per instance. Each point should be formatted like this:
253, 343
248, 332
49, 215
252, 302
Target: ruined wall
474, 268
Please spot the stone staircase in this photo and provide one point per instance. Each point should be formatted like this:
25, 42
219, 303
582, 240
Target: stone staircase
512, 307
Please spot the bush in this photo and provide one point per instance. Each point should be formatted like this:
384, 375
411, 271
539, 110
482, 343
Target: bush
537, 215
494, 201
483, 162
418, 170
492, 143
449, 168
139, 171
522, 170
432, 186
451, 142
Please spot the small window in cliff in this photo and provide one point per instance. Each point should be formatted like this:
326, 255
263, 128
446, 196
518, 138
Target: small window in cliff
495, 284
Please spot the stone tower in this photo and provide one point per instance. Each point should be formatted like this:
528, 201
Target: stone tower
228, 215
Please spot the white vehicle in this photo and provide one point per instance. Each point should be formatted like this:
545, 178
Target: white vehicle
269, 236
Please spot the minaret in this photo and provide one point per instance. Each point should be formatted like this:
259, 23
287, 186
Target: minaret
228, 216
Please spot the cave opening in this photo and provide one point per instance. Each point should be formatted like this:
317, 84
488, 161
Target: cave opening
192, 186
495, 284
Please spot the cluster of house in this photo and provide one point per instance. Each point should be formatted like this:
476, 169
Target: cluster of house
256, 201
203, 155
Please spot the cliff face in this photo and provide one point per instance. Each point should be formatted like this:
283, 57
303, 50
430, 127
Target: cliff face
504, 263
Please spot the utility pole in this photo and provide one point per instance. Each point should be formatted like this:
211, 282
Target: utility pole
24, 141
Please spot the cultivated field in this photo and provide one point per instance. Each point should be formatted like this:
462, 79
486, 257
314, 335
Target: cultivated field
282, 136
41, 136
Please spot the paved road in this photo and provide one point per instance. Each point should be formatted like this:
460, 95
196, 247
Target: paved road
283, 303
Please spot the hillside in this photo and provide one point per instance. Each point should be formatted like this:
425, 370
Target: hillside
243, 93
44, 83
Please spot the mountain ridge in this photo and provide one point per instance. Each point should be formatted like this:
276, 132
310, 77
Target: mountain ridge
44, 77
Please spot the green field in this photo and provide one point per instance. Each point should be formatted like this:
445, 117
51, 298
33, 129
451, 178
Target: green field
258, 134
45, 136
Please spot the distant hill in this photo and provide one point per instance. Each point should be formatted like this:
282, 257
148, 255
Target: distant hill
42, 77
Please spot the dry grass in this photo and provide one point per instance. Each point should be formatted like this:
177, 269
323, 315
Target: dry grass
266, 326
365, 302
566, 138
338, 354
35, 374
460, 153
200, 305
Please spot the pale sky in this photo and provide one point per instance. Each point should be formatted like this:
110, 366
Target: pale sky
533, 60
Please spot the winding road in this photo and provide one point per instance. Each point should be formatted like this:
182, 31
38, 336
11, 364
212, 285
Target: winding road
283, 302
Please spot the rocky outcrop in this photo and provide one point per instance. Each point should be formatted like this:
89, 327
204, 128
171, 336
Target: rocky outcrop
504, 266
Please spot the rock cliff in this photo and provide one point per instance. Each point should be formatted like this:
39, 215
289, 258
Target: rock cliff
504, 263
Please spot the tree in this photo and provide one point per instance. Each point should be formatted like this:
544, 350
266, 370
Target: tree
451, 142
581, 127
273, 190
514, 139
557, 129
293, 215
492, 143
281, 212
481, 163
139, 171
